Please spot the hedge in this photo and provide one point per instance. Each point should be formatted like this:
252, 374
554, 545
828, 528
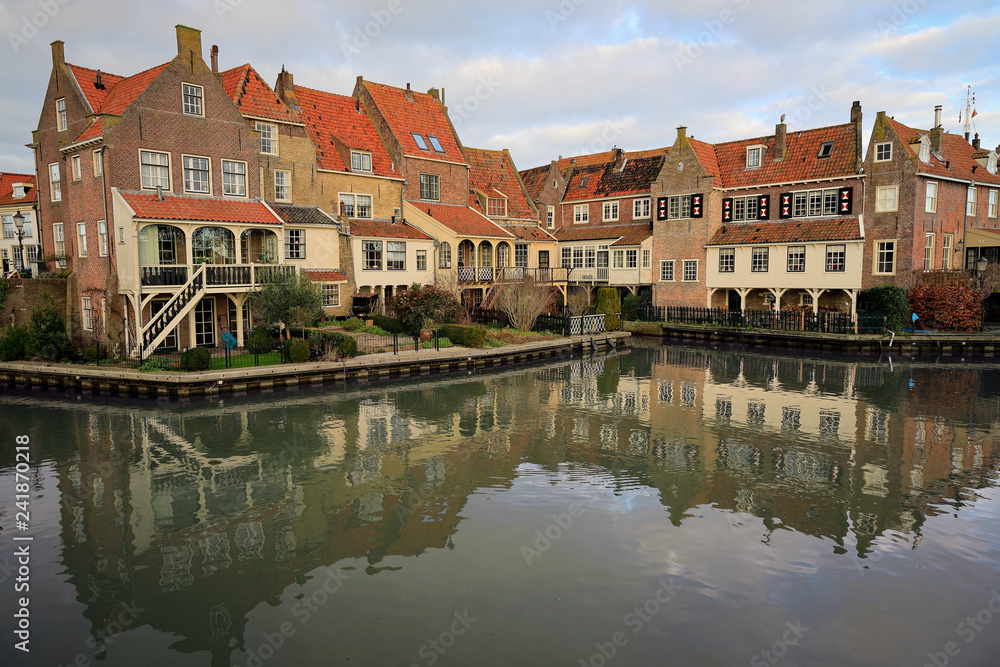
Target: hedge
196, 359
390, 324
469, 335
346, 346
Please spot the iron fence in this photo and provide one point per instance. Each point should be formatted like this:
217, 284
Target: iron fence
565, 325
780, 320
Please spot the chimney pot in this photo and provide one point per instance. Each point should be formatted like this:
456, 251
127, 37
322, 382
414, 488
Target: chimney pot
780, 139
681, 132
856, 112
937, 116
215, 58
975, 142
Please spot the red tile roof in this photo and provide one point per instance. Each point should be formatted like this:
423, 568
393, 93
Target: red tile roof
957, 157
252, 95
124, 92
529, 233
607, 156
386, 229
606, 180
7, 182
628, 234
832, 229
301, 215
423, 115
706, 156
535, 180
87, 80
148, 207
324, 275
462, 220
326, 116
493, 173
93, 131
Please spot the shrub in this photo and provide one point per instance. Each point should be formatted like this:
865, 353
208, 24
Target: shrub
889, 300
418, 303
94, 353
48, 338
354, 324
156, 364
196, 359
390, 324
442, 343
947, 307
469, 335
378, 331
260, 341
298, 350
609, 303
15, 343
630, 306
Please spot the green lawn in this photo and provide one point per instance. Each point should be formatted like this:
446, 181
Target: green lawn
245, 360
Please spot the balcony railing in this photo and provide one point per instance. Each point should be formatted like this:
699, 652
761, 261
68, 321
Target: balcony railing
246, 276
470, 274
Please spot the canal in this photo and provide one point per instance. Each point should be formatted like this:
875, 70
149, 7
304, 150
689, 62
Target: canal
663, 505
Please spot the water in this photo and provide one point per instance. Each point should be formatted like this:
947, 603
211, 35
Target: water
664, 506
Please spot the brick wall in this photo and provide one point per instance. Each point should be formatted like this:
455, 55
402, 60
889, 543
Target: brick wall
24, 295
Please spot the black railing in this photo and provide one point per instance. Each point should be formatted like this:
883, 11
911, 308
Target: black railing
153, 276
166, 315
225, 275
565, 325
780, 320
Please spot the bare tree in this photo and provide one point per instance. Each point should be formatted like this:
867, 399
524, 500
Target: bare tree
577, 301
524, 301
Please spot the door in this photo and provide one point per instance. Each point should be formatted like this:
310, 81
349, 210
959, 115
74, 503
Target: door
204, 322
734, 300
169, 343
543, 265
602, 265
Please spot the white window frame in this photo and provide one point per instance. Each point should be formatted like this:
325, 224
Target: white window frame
295, 244
393, 250
611, 209
581, 214
832, 249
268, 138
618, 259
285, 185
495, 210
207, 171
361, 161
795, 251
55, 182
195, 93
887, 198
371, 246
641, 208
87, 310
421, 260
693, 265
98, 163
647, 258
227, 179
331, 295
992, 211
667, 269
757, 265
430, 187
81, 239
929, 251
755, 156
880, 250
970, 201
947, 246
930, 197
102, 237
77, 168
158, 178
550, 217
60, 241
61, 121
631, 258
444, 255
885, 149
353, 206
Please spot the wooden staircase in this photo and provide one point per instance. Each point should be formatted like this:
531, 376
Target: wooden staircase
176, 309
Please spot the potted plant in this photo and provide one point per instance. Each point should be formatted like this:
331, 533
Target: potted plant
427, 332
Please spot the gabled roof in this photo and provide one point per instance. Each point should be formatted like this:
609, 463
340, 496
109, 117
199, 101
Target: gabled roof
535, 180
627, 234
607, 180
302, 215
408, 112
462, 220
529, 233
252, 95
386, 229
198, 209
324, 275
94, 130
706, 156
956, 159
114, 95
607, 156
87, 80
832, 229
326, 116
492, 173
124, 92
7, 182
801, 161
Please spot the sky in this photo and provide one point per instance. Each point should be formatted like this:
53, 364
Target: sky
552, 78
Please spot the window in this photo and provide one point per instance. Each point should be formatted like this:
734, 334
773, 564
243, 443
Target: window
438, 148
77, 171
567, 257
970, 201
421, 260
371, 251
550, 216
925, 153
887, 198
268, 138
744, 208
444, 256
18, 192
928, 251
610, 210
88, 314
799, 209
618, 259
234, 178
690, 270
421, 144
584, 181
578, 257
61, 114
836, 257
647, 257
57, 231
496, 207
758, 260
753, 157
331, 294
993, 204
816, 202
121, 236
430, 187
295, 244
193, 96
796, 258
55, 187
521, 254
825, 149
883, 152
98, 164
930, 205
102, 237
590, 257
667, 270
196, 175
361, 161
946, 250
679, 206
885, 257
282, 186
81, 238
155, 169
356, 206
806, 299
32, 252
8, 226
581, 213
727, 260
395, 255
641, 208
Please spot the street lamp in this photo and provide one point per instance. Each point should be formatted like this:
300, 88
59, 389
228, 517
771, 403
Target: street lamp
981, 265
19, 223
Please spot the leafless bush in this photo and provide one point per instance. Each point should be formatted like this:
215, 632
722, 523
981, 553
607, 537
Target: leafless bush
524, 301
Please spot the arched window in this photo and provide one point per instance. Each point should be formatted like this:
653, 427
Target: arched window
486, 254
213, 245
444, 256
161, 245
503, 255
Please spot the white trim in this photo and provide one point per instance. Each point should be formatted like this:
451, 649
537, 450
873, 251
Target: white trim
184, 111
875, 147
697, 270
673, 271
277, 146
275, 179
618, 198
430, 159
887, 188
271, 120
69, 148
356, 173
875, 258
170, 170
246, 178
184, 175
763, 186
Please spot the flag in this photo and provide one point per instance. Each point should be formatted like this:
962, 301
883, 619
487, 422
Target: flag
974, 112
959, 116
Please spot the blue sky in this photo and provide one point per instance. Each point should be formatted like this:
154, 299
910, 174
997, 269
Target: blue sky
557, 77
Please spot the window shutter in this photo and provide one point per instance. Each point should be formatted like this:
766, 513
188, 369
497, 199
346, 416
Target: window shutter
661, 208
846, 198
763, 207
696, 207
727, 209
786, 205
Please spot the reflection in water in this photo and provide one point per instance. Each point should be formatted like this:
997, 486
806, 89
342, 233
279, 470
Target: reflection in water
191, 516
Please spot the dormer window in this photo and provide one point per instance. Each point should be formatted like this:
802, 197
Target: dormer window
419, 138
754, 155
925, 153
193, 96
18, 192
361, 161
991, 163
496, 207
825, 149
438, 148
883, 152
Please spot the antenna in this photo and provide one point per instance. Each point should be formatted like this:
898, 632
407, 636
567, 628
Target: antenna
969, 101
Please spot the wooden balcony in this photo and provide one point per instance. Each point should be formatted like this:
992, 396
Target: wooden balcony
218, 277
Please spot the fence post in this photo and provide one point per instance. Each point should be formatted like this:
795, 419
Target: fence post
437, 340
395, 343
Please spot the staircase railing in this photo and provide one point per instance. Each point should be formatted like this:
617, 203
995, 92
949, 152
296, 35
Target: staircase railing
154, 331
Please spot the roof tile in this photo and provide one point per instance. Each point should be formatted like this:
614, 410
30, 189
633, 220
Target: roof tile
387, 229
462, 220
198, 209
957, 158
493, 173
7, 182
627, 234
423, 115
324, 275
831, 229
252, 95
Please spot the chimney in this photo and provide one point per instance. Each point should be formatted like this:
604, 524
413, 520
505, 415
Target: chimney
681, 132
215, 58
99, 81
975, 141
779, 139
619, 159
858, 150
285, 88
188, 41
433, 92
409, 93
58, 53
856, 112
937, 116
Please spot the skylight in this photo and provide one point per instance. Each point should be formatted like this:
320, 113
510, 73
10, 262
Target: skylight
826, 149
435, 143
421, 144
583, 181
